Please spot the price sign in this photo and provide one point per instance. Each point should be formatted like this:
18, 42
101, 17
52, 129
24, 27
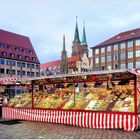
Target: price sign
124, 76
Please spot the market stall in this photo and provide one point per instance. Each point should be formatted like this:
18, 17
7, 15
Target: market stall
103, 99
6, 83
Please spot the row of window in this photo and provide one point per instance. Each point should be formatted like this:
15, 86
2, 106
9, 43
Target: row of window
49, 73
19, 56
130, 65
9, 47
53, 67
18, 64
23, 73
122, 66
122, 46
115, 57
57, 67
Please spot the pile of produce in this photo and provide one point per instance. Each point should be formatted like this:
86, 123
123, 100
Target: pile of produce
120, 98
22, 100
53, 100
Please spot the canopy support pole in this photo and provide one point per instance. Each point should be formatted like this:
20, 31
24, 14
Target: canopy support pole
135, 101
32, 95
74, 94
135, 95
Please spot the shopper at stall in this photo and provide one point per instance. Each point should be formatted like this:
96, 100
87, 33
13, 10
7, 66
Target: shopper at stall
76, 88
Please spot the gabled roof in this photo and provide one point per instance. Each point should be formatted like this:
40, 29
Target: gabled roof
17, 41
50, 64
121, 37
75, 58
14, 39
57, 62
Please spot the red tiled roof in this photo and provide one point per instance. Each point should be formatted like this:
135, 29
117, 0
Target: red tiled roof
17, 41
57, 62
73, 65
14, 39
75, 58
50, 64
121, 37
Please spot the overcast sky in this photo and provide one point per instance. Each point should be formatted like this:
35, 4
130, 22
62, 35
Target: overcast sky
46, 21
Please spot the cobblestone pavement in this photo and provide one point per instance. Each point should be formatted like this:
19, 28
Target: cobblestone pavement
40, 130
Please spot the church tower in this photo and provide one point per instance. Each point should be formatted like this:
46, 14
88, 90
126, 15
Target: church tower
76, 42
64, 59
84, 46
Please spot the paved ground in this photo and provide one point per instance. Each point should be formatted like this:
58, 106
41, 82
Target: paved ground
32, 130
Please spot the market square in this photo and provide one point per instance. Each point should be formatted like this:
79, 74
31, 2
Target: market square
40, 130
60, 76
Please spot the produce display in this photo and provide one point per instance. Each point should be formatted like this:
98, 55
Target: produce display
120, 98
21, 100
54, 100
90, 97
138, 101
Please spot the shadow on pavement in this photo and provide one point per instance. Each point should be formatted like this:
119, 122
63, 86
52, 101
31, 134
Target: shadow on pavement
9, 122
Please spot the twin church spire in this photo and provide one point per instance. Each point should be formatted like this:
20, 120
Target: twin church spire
79, 47
84, 40
76, 35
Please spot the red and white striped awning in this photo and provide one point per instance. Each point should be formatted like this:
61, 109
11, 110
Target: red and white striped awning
135, 71
100, 120
9, 80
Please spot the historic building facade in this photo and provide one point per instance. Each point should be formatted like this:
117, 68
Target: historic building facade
119, 52
17, 56
78, 62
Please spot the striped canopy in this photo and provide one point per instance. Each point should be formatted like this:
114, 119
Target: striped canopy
9, 80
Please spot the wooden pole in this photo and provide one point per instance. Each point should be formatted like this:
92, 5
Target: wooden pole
74, 94
135, 100
32, 95
135, 95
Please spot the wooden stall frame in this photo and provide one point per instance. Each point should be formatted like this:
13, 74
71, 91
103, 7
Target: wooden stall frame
118, 112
